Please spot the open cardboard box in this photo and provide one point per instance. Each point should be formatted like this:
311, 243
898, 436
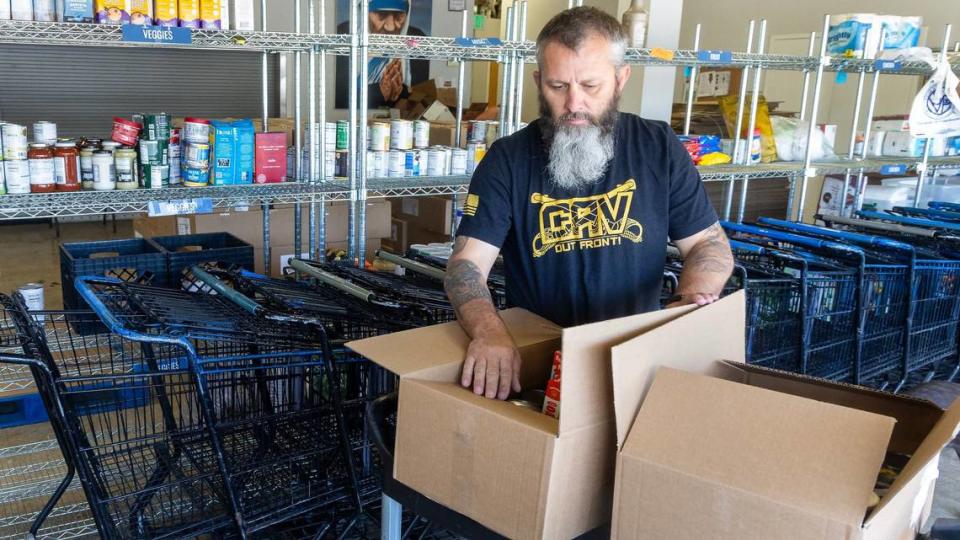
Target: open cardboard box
748, 452
519, 472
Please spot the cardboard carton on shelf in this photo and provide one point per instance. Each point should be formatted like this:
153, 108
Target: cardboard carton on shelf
521, 473
744, 451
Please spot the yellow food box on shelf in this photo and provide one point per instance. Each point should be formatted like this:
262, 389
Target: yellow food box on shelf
166, 12
113, 11
141, 12
189, 13
211, 14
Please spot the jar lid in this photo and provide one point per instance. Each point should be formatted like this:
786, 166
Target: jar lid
66, 144
196, 120
39, 145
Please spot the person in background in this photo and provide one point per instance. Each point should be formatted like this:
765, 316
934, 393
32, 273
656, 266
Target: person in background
581, 203
388, 79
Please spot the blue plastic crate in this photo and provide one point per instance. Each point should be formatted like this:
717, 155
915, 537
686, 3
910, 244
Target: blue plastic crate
136, 260
184, 251
21, 410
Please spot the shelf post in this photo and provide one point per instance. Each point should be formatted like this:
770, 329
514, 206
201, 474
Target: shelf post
312, 97
867, 126
692, 84
813, 116
741, 103
853, 130
361, 156
754, 104
804, 94
319, 250
355, 70
461, 77
505, 61
298, 131
520, 63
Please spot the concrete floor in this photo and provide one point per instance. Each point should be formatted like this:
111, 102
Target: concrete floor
29, 253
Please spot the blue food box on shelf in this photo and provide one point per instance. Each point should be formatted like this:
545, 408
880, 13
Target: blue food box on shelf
232, 146
75, 11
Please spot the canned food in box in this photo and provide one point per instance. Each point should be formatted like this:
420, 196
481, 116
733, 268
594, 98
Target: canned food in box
551, 399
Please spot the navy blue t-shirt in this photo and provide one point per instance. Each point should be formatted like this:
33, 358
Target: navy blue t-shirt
593, 253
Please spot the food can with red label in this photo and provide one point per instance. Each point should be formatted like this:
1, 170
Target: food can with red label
551, 399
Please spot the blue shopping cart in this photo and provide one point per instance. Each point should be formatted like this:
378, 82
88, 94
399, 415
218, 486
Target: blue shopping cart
933, 307
831, 300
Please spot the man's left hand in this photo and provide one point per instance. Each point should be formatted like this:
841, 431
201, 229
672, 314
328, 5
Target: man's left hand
700, 299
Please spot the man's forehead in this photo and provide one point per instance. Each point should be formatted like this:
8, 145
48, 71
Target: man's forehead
592, 50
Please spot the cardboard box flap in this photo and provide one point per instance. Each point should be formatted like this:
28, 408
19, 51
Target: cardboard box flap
413, 351
585, 386
716, 333
915, 417
946, 429
817, 457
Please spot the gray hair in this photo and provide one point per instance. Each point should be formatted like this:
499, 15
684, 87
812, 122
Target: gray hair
572, 26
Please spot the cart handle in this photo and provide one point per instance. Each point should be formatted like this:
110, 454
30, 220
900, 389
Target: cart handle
873, 241
932, 213
745, 246
228, 292
792, 238
412, 265
879, 226
944, 205
909, 220
334, 281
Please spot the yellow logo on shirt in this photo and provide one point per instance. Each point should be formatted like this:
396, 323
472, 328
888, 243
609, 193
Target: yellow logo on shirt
471, 204
591, 222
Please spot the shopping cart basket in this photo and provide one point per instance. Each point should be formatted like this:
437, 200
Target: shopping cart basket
936, 214
934, 304
193, 417
495, 280
831, 301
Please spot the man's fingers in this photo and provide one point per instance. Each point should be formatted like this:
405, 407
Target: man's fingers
479, 375
516, 372
506, 375
466, 376
491, 386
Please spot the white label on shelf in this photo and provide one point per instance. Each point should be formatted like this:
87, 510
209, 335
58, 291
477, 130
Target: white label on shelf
180, 207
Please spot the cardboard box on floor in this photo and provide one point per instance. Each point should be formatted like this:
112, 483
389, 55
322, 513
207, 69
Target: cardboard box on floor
519, 472
749, 452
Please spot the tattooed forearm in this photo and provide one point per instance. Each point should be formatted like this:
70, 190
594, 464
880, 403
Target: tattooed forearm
465, 282
711, 254
708, 264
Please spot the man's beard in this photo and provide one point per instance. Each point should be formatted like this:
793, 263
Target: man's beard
578, 155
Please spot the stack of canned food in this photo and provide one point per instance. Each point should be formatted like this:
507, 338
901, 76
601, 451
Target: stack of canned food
52, 163
398, 148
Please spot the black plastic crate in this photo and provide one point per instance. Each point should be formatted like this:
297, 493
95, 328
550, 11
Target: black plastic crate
136, 260
184, 251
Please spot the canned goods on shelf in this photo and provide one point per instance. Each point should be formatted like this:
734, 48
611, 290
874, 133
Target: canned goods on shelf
154, 152
421, 134
477, 131
436, 162
341, 164
196, 155
156, 176
157, 126
396, 163
125, 132
86, 167
379, 136
125, 161
194, 177
14, 139
32, 294
17, 174
66, 166
196, 130
45, 132
343, 135
401, 134
458, 161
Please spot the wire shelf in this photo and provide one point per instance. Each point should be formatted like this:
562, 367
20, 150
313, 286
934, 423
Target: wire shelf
104, 35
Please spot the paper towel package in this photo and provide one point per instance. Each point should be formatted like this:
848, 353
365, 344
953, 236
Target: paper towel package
900, 32
854, 34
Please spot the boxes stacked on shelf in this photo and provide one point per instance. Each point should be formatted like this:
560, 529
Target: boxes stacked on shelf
205, 14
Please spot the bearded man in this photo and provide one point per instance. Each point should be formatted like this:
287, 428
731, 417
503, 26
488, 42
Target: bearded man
582, 204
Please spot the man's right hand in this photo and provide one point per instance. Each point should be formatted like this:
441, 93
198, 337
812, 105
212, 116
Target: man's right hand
492, 367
